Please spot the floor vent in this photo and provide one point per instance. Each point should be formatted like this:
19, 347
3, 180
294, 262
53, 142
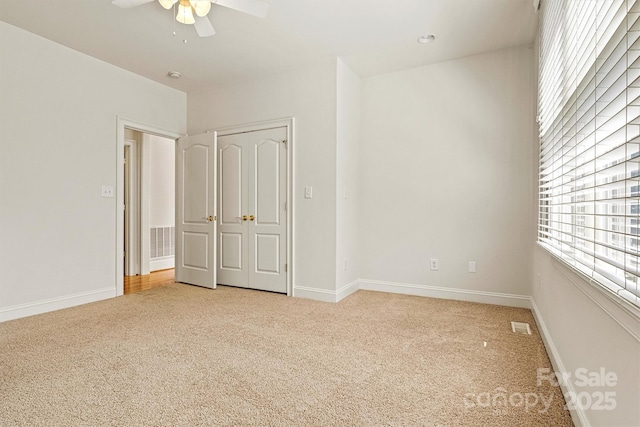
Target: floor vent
521, 328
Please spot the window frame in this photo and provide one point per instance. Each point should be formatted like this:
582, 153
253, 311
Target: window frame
600, 245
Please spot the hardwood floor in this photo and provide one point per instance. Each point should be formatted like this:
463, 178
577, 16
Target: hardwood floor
142, 283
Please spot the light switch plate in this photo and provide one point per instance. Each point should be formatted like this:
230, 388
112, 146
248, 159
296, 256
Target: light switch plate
472, 266
308, 192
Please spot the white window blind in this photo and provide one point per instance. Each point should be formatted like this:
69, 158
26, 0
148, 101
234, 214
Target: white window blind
589, 117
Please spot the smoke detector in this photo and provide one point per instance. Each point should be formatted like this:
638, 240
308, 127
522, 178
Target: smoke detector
174, 74
426, 39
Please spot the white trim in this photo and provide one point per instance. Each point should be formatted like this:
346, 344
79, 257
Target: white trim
509, 300
132, 215
145, 204
577, 414
347, 290
315, 294
255, 126
162, 263
326, 295
45, 306
122, 123
289, 123
621, 311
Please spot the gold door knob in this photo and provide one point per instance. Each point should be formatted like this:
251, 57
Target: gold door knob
244, 217
251, 217
211, 218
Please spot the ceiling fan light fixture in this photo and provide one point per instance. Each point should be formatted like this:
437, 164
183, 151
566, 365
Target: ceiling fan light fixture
185, 14
167, 4
201, 7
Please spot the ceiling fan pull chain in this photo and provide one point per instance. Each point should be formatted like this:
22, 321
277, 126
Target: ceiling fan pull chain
173, 20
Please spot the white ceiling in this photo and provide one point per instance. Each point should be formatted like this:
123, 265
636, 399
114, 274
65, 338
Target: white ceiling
371, 36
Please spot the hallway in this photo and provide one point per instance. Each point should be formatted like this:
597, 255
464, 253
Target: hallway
142, 283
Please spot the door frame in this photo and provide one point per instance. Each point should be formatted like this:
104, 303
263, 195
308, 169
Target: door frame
121, 124
289, 123
132, 211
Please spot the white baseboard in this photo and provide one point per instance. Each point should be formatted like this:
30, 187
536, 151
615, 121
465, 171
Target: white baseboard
314, 294
347, 290
509, 300
324, 294
577, 415
39, 307
161, 263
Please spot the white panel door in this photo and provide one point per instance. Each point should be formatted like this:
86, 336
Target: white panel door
195, 210
252, 197
267, 197
233, 166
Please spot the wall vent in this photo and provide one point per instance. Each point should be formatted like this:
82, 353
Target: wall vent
521, 328
162, 242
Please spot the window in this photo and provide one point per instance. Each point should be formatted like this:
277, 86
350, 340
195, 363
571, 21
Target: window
589, 118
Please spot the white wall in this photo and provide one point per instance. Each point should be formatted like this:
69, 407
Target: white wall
446, 172
585, 330
310, 97
58, 113
348, 100
158, 171
162, 185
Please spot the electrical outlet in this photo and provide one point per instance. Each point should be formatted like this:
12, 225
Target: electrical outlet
107, 191
472, 266
435, 264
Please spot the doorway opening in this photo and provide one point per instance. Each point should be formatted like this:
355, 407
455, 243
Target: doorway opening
145, 206
149, 209
155, 279
190, 256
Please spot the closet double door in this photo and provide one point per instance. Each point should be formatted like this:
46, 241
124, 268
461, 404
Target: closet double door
252, 227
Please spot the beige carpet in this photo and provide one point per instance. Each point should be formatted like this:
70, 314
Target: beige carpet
182, 356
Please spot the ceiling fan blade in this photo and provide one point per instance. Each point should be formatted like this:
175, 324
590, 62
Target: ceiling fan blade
204, 27
129, 3
252, 7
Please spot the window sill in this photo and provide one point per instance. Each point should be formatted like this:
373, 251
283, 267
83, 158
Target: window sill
623, 312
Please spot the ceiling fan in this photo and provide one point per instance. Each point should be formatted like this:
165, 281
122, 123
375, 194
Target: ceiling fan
194, 12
